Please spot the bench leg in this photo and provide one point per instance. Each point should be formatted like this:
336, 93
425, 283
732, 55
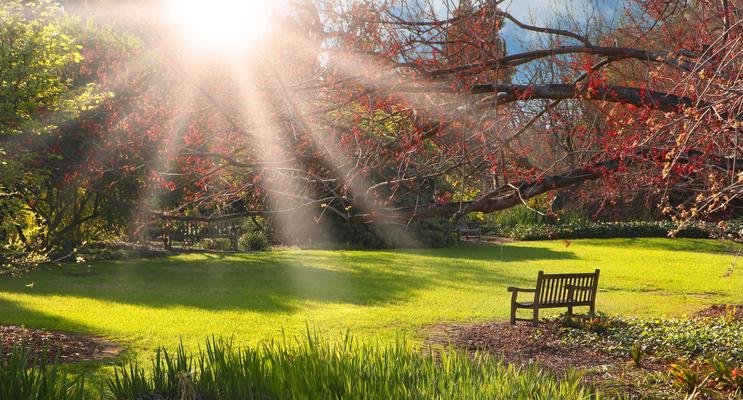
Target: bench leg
570, 310
592, 311
535, 317
513, 308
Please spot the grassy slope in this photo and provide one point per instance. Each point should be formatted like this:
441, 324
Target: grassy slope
376, 294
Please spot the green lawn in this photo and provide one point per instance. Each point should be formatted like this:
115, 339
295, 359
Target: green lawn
375, 294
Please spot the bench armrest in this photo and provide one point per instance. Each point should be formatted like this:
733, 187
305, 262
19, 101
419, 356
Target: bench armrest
515, 289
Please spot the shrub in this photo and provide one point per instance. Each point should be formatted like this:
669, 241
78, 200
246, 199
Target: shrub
427, 233
117, 250
23, 377
253, 241
534, 214
435, 233
221, 244
315, 368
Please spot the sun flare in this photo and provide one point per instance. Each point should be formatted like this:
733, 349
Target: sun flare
219, 24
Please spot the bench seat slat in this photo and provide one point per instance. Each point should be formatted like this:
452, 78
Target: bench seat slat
530, 305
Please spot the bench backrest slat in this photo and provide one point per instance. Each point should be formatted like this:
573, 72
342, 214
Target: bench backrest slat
556, 288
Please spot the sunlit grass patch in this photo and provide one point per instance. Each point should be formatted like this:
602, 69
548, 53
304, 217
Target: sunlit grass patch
376, 294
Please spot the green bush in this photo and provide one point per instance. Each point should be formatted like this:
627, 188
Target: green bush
315, 368
520, 215
253, 241
23, 377
360, 235
221, 244
426, 233
115, 250
435, 233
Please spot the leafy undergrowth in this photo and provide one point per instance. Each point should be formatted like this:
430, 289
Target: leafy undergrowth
625, 358
691, 339
703, 357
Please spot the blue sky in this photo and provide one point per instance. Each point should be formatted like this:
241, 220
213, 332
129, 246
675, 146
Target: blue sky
551, 13
547, 13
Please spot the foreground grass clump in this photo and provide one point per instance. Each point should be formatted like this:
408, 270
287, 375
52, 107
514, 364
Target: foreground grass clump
23, 377
315, 368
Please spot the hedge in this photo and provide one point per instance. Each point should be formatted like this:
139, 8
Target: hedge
605, 230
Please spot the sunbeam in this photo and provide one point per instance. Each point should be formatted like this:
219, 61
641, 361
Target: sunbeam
204, 37
354, 183
282, 193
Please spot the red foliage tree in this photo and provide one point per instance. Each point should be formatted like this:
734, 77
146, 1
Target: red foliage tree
398, 110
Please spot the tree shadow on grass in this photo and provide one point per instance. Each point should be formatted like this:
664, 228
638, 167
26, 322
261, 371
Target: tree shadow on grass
504, 253
284, 282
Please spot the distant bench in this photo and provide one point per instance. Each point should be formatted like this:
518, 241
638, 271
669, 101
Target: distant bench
557, 291
467, 228
193, 232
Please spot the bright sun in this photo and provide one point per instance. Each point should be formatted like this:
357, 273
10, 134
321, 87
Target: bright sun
231, 25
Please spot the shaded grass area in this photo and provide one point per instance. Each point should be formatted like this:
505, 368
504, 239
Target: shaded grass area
378, 295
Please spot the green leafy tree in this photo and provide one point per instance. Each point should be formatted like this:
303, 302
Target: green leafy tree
39, 92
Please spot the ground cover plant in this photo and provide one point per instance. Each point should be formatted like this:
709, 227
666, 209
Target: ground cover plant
698, 357
689, 339
701, 355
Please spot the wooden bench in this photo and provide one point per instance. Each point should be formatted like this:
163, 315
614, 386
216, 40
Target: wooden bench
469, 228
191, 233
557, 291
